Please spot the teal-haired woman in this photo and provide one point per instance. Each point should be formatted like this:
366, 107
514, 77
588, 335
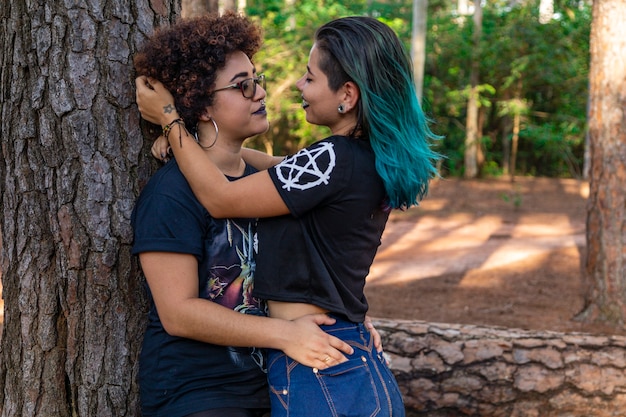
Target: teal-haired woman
324, 208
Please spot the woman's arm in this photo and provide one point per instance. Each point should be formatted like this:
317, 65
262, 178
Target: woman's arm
219, 196
260, 160
173, 282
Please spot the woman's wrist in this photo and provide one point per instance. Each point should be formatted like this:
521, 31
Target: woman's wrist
169, 115
169, 121
167, 127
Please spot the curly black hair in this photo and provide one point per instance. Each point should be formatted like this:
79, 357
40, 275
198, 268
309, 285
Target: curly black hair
186, 56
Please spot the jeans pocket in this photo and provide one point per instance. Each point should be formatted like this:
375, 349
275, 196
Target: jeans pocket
349, 388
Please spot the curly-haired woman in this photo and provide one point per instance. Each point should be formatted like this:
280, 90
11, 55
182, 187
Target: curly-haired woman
195, 359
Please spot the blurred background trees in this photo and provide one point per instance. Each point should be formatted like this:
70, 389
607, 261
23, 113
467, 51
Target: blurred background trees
529, 88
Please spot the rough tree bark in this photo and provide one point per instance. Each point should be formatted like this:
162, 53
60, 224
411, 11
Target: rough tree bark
605, 269
447, 370
71, 165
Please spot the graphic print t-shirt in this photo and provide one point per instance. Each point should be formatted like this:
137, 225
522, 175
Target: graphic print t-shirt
179, 376
321, 253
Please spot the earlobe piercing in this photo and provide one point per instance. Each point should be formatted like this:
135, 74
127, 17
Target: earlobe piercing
341, 109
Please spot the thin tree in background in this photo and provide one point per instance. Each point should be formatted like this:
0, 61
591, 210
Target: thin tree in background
193, 8
230, 5
73, 161
604, 265
546, 10
418, 44
463, 7
471, 134
517, 108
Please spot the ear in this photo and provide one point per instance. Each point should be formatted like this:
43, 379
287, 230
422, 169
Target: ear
351, 95
205, 115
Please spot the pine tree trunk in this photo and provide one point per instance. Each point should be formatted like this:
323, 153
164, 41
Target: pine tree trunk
72, 163
604, 266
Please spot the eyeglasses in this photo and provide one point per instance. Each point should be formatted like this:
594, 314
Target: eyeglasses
247, 86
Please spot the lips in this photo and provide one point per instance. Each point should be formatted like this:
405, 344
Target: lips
305, 103
261, 110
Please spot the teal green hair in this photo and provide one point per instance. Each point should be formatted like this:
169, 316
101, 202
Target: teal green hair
367, 52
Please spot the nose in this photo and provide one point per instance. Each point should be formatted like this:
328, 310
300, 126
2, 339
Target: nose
300, 83
262, 93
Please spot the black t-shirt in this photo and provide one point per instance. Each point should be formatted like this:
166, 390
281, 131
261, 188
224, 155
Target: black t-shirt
179, 376
322, 252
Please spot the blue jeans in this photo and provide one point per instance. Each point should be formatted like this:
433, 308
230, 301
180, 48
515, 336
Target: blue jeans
361, 387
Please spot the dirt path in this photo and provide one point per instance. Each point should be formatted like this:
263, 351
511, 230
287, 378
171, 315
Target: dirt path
487, 252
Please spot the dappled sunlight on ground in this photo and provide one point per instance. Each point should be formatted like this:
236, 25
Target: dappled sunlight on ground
433, 246
486, 252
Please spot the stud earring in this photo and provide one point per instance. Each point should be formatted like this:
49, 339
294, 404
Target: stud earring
341, 109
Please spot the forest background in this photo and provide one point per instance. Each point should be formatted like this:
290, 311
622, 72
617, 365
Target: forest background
533, 93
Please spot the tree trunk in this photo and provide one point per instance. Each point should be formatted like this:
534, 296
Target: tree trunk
514, 143
480, 148
605, 269
289, 9
546, 10
471, 145
505, 129
471, 134
230, 5
447, 370
463, 7
72, 163
587, 154
418, 44
194, 8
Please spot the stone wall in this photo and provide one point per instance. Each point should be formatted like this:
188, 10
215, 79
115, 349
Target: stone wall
447, 370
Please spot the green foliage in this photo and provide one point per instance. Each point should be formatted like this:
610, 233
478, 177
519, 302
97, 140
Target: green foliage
536, 71
289, 35
515, 197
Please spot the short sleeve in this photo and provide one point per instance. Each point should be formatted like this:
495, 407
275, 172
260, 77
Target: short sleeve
166, 224
312, 176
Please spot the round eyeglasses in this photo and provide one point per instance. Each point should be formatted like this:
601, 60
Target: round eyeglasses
247, 86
